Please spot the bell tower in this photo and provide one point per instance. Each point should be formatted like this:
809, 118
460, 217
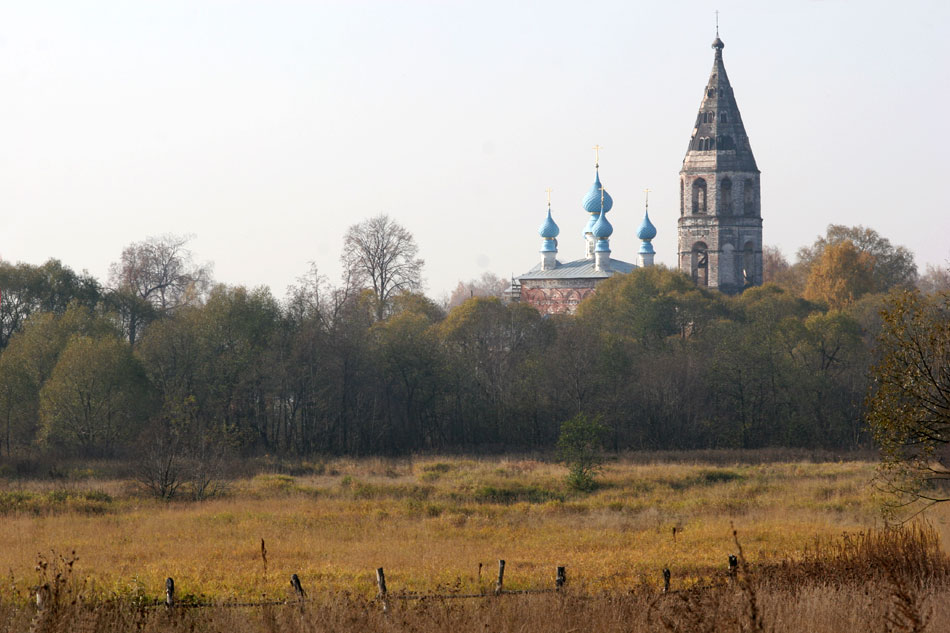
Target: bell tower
720, 223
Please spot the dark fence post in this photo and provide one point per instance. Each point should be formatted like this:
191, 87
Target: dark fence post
500, 583
298, 588
666, 581
381, 588
169, 592
560, 579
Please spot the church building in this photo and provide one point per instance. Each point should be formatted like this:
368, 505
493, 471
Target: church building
719, 228
554, 287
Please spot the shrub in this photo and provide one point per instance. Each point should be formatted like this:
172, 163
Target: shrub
580, 448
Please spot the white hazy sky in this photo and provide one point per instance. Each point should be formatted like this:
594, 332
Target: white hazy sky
266, 128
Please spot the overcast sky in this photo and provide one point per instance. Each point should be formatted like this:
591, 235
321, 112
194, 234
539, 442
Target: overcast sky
266, 128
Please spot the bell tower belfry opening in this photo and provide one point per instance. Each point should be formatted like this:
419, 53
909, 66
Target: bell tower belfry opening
720, 223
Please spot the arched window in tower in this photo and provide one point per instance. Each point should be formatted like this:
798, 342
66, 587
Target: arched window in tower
748, 197
723, 117
725, 197
699, 196
700, 264
748, 264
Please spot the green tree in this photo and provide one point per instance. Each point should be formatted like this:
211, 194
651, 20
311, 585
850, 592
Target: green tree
908, 408
29, 289
580, 447
97, 398
28, 361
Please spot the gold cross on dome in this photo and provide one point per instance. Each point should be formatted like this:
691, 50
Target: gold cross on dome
647, 191
597, 149
717, 22
548, 191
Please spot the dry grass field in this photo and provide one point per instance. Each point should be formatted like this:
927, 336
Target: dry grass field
439, 525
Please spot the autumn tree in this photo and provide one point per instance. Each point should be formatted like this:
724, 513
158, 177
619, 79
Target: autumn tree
892, 266
154, 277
841, 275
908, 408
382, 255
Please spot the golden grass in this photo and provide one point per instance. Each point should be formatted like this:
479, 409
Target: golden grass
431, 523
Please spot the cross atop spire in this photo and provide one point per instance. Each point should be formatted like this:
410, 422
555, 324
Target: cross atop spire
717, 22
548, 192
597, 149
647, 192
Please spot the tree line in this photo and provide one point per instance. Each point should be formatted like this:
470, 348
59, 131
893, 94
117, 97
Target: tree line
161, 363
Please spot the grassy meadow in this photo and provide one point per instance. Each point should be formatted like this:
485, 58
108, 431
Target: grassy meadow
437, 524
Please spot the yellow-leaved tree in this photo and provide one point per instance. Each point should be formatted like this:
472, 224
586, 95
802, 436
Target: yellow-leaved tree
841, 275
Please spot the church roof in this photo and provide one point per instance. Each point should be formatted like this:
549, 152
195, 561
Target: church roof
578, 269
719, 140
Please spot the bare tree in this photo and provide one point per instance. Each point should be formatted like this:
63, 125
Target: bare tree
488, 285
154, 277
381, 254
774, 263
935, 279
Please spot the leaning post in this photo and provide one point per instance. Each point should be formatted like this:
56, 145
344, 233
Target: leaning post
500, 583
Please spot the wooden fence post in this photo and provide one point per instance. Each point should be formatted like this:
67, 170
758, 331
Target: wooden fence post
381, 588
169, 592
560, 579
298, 588
500, 583
666, 581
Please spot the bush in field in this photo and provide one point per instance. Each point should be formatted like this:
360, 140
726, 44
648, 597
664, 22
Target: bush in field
580, 446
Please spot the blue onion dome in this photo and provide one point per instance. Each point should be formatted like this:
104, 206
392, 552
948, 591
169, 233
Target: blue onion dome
549, 228
646, 231
602, 228
591, 222
592, 199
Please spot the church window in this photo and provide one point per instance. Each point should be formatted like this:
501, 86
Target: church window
748, 198
699, 196
725, 196
723, 117
711, 92
700, 264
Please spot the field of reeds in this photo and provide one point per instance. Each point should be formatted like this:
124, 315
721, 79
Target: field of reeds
814, 548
